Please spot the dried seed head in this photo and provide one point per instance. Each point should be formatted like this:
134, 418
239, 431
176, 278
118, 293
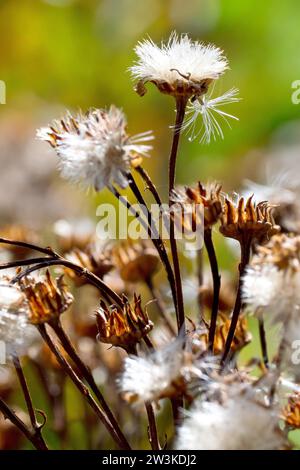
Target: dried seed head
200, 203
47, 298
291, 412
179, 67
123, 327
136, 261
247, 221
282, 251
93, 258
94, 149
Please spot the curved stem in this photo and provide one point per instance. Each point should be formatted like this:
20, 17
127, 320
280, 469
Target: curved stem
81, 387
263, 342
30, 246
153, 437
245, 256
37, 428
216, 285
150, 185
14, 419
92, 278
86, 374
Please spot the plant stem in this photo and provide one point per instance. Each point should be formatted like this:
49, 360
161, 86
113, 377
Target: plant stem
150, 185
199, 262
82, 388
14, 419
160, 305
156, 240
153, 437
216, 286
263, 342
30, 246
86, 374
180, 113
37, 428
245, 256
92, 278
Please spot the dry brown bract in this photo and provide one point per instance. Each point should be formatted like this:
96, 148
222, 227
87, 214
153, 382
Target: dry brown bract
250, 220
94, 260
291, 413
47, 298
123, 327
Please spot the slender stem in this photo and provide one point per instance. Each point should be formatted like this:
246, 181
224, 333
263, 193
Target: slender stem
216, 285
199, 262
245, 256
180, 113
150, 185
37, 428
160, 305
14, 419
23, 262
86, 374
156, 240
153, 437
263, 342
81, 387
30, 246
92, 278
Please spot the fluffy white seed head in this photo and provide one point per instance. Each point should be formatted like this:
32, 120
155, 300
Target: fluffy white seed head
239, 423
149, 378
178, 65
94, 149
15, 331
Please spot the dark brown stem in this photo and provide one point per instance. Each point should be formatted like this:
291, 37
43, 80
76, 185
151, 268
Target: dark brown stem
216, 285
180, 113
161, 306
263, 342
245, 256
23, 262
86, 374
92, 278
154, 236
82, 388
37, 428
153, 437
200, 282
14, 419
30, 246
150, 185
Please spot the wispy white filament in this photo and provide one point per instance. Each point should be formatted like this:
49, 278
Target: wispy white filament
207, 110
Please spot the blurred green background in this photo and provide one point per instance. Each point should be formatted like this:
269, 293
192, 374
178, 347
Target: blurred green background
58, 54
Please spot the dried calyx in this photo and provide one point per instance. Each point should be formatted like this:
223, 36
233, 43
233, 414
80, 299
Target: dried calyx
123, 327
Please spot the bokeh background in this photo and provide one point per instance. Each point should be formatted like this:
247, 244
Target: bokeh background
58, 54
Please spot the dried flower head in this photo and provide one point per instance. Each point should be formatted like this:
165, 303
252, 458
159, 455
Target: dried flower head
242, 335
47, 298
94, 258
15, 331
20, 233
206, 199
123, 327
239, 422
248, 221
179, 67
94, 148
136, 261
291, 412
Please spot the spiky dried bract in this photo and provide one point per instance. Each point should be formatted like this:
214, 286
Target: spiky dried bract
15, 331
248, 220
123, 327
291, 412
93, 258
136, 261
47, 298
94, 149
282, 251
238, 422
205, 198
242, 335
179, 67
